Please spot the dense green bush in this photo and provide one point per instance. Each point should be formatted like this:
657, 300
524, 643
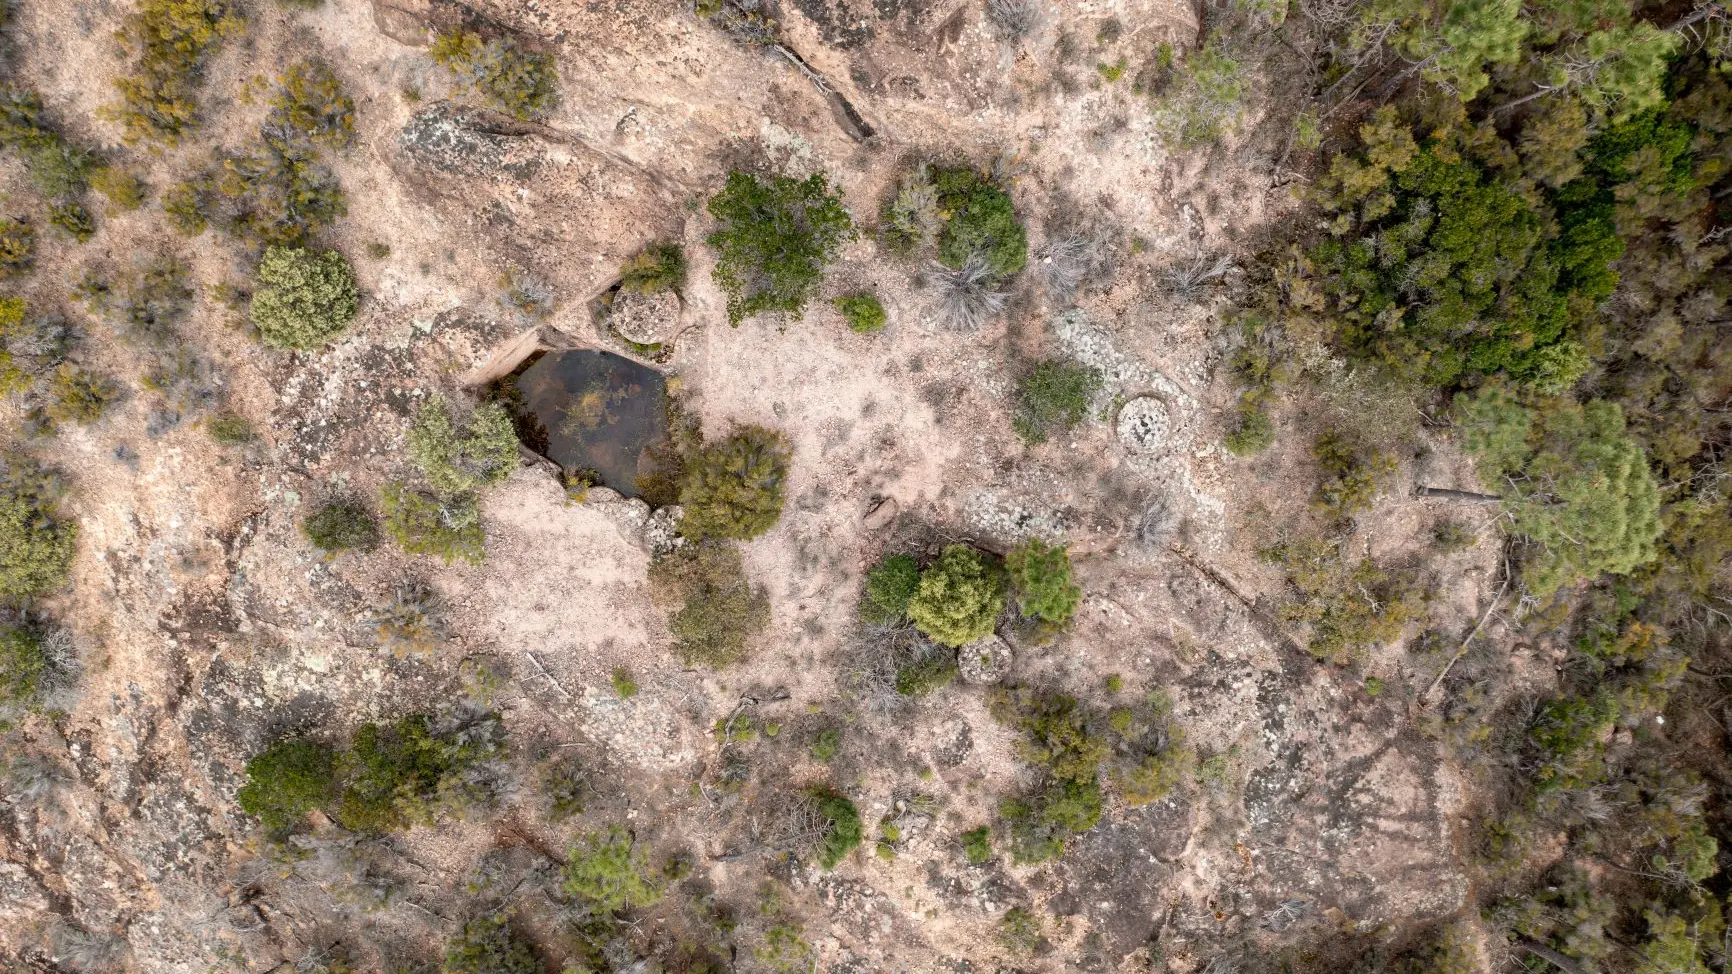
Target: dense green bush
863, 312
1060, 740
503, 75
1576, 484
393, 774
979, 221
927, 674
22, 665
719, 611
287, 780
959, 598
304, 298
1345, 605
1053, 397
1040, 578
608, 872
889, 586
341, 526
773, 240
843, 833
488, 945
734, 488
276, 193
1254, 432
422, 524
977, 845
36, 545
458, 458
172, 41
659, 267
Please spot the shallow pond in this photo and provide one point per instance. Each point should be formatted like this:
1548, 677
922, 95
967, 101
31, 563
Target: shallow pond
591, 411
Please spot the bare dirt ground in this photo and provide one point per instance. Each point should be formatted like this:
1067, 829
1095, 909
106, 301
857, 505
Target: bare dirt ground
209, 626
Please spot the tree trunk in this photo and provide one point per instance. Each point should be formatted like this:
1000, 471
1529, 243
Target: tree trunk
1457, 495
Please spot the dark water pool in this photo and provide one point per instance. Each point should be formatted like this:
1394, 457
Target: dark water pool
592, 411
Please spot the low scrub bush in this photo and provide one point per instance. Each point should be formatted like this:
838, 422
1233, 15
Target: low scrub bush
843, 832
308, 104
977, 845
1254, 432
1019, 930
659, 267
719, 611
36, 545
17, 246
890, 585
398, 774
486, 944
1353, 476
734, 488
959, 598
927, 674
22, 666
864, 312
910, 220
1059, 737
171, 42
287, 780
341, 525
304, 298
979, 222
773, 240
72, 217
79, 396
504, 76
1040, 578
1053, 397
459, 456
124, 190
1345, 606
229, 429
423, 524
275, 193
608, 872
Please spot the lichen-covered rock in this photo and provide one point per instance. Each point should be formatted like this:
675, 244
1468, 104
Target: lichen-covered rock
1144, 425
984, 661
647, 319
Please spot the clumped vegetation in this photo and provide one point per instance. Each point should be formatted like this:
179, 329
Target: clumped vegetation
959, 598
979, 222
842, 832
498, 71
22, 666
659, 267
864, 312
36, 543
304, 298
1040, 579
1053, 397
462, 454
608, 871
717, 610
426, 524
171, 41
890, 586
287, 780
341, 525
79, 395
487, 945
773, 240
733, 488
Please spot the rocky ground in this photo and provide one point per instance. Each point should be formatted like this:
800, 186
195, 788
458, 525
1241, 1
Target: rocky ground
208, 626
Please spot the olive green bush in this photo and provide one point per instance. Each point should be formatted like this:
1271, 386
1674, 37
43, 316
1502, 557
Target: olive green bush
72, 217
608, 872
979, 221
398, 774
287, 780
1060, 739
927, 673
272, 193
461, 457
890, 585
486, 944
229, 429
1053, 397
843, 832
424, 524
308, 104
718, 611
734, 488
773, 240
1040, 579
1345, 606
341, 525
659, 267
910, 219
1353, 475
304, 298
123, 188
864, 312
977, 845
22, 666
503, 75
17, 246
959, 598
36, 545
171, 41
78, 395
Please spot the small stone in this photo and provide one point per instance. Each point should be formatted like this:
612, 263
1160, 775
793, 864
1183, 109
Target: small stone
881, 514
984, 660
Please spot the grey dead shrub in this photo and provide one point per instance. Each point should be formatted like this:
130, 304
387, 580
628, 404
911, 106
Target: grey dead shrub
967, 297
1185, 279
1074, 261
1015, 20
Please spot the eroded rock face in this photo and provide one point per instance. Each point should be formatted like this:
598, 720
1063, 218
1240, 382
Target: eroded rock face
566, 211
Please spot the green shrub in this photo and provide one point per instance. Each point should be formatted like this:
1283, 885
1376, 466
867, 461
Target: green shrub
461, 459
1040, 578
609, 873
1254, 433
17, 246
276, 193
172, 41
503, 75
1346, 606
565, 782
341, 526
1053, 397
720, 612
733, 488
624, 683
660, 267
423, 524
36, 546
863, 312
889, 586
22, 665
229, 429
1019, 930
1058, 738
910, 219
1040, 824
304, 298
979, 221
773, 240
1449, 536
959, 598
826, 745
977, 845
1354, 475
392, 773
308, 103
72, 217
286, 781
925, 675
843, 833
485, 944
123, 189
1207, 96
79, 396
58, 168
